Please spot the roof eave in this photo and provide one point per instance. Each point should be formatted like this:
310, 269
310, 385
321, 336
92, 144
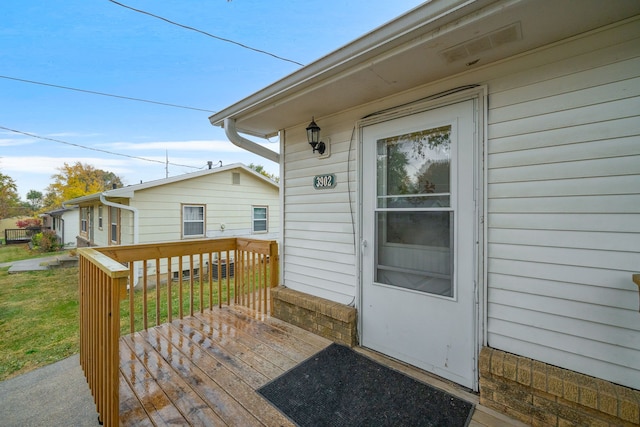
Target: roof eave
420, 47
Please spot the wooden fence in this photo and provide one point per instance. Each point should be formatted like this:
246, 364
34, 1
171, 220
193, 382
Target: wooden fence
19, 235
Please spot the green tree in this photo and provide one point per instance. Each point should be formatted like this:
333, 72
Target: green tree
260, 169
9, 199
35, 199
397, 179
78, 180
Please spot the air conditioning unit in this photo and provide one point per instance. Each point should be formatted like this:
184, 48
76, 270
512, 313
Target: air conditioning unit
224, 270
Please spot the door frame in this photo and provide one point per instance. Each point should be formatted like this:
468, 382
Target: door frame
478, 94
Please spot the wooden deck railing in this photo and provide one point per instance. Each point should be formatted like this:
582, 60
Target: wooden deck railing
170, 280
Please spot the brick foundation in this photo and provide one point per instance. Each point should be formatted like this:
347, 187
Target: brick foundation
326, 318
544, 395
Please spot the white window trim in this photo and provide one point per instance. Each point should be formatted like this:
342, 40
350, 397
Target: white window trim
183, 221
100, 217
253, 219
84, 221
114, 222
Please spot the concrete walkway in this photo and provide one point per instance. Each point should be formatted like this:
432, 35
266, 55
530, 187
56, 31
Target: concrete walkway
33, 264
55, 395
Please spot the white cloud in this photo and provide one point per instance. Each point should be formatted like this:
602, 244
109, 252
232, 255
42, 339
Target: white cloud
12, 142
41, 165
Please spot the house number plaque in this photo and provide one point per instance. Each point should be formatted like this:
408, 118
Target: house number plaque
321, 182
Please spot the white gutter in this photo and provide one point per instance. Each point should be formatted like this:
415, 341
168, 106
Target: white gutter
245, 144
136, 226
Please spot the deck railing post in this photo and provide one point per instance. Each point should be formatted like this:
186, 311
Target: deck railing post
274, 269
101, 282
113, 352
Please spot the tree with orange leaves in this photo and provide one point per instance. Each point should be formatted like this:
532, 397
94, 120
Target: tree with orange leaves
78, 180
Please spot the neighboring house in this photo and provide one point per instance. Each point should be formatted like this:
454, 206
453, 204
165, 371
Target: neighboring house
65, 222
476, 212
227, 201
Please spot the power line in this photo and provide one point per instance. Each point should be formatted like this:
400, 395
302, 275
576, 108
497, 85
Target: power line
207, 34
97, 149
104, 94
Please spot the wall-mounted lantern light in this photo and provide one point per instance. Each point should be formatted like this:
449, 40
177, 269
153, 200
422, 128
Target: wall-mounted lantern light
313, 136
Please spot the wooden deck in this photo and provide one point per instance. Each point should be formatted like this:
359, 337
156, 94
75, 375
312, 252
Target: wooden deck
204, 370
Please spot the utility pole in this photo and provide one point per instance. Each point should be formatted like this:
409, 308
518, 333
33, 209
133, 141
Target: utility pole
166, 167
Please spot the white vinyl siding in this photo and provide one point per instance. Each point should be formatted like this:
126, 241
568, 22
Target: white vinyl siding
564, 208
319, 250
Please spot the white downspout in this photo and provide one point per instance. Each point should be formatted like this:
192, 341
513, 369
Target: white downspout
134, 211
245, 144
252, 147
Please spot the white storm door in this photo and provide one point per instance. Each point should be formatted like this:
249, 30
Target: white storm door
419, 240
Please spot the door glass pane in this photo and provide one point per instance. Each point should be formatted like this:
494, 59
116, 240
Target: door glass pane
413, 169
429, 229
415, 251
414, 216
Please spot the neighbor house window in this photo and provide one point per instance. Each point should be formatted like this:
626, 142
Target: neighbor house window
114, 229
193, 220
259, 219
100, 217
84, 221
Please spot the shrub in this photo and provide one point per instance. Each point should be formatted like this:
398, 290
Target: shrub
46, 241
29, 223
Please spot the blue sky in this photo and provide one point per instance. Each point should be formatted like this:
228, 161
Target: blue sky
99, 46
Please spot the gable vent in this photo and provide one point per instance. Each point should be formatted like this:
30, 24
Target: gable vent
235, 178
483, 43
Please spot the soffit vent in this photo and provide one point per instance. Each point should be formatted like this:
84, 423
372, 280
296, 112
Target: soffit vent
471, 48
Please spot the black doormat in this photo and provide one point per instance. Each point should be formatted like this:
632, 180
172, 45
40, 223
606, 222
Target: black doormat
339, 387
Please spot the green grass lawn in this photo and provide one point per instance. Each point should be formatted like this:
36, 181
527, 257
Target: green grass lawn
21, 251
38, 319
39, 312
